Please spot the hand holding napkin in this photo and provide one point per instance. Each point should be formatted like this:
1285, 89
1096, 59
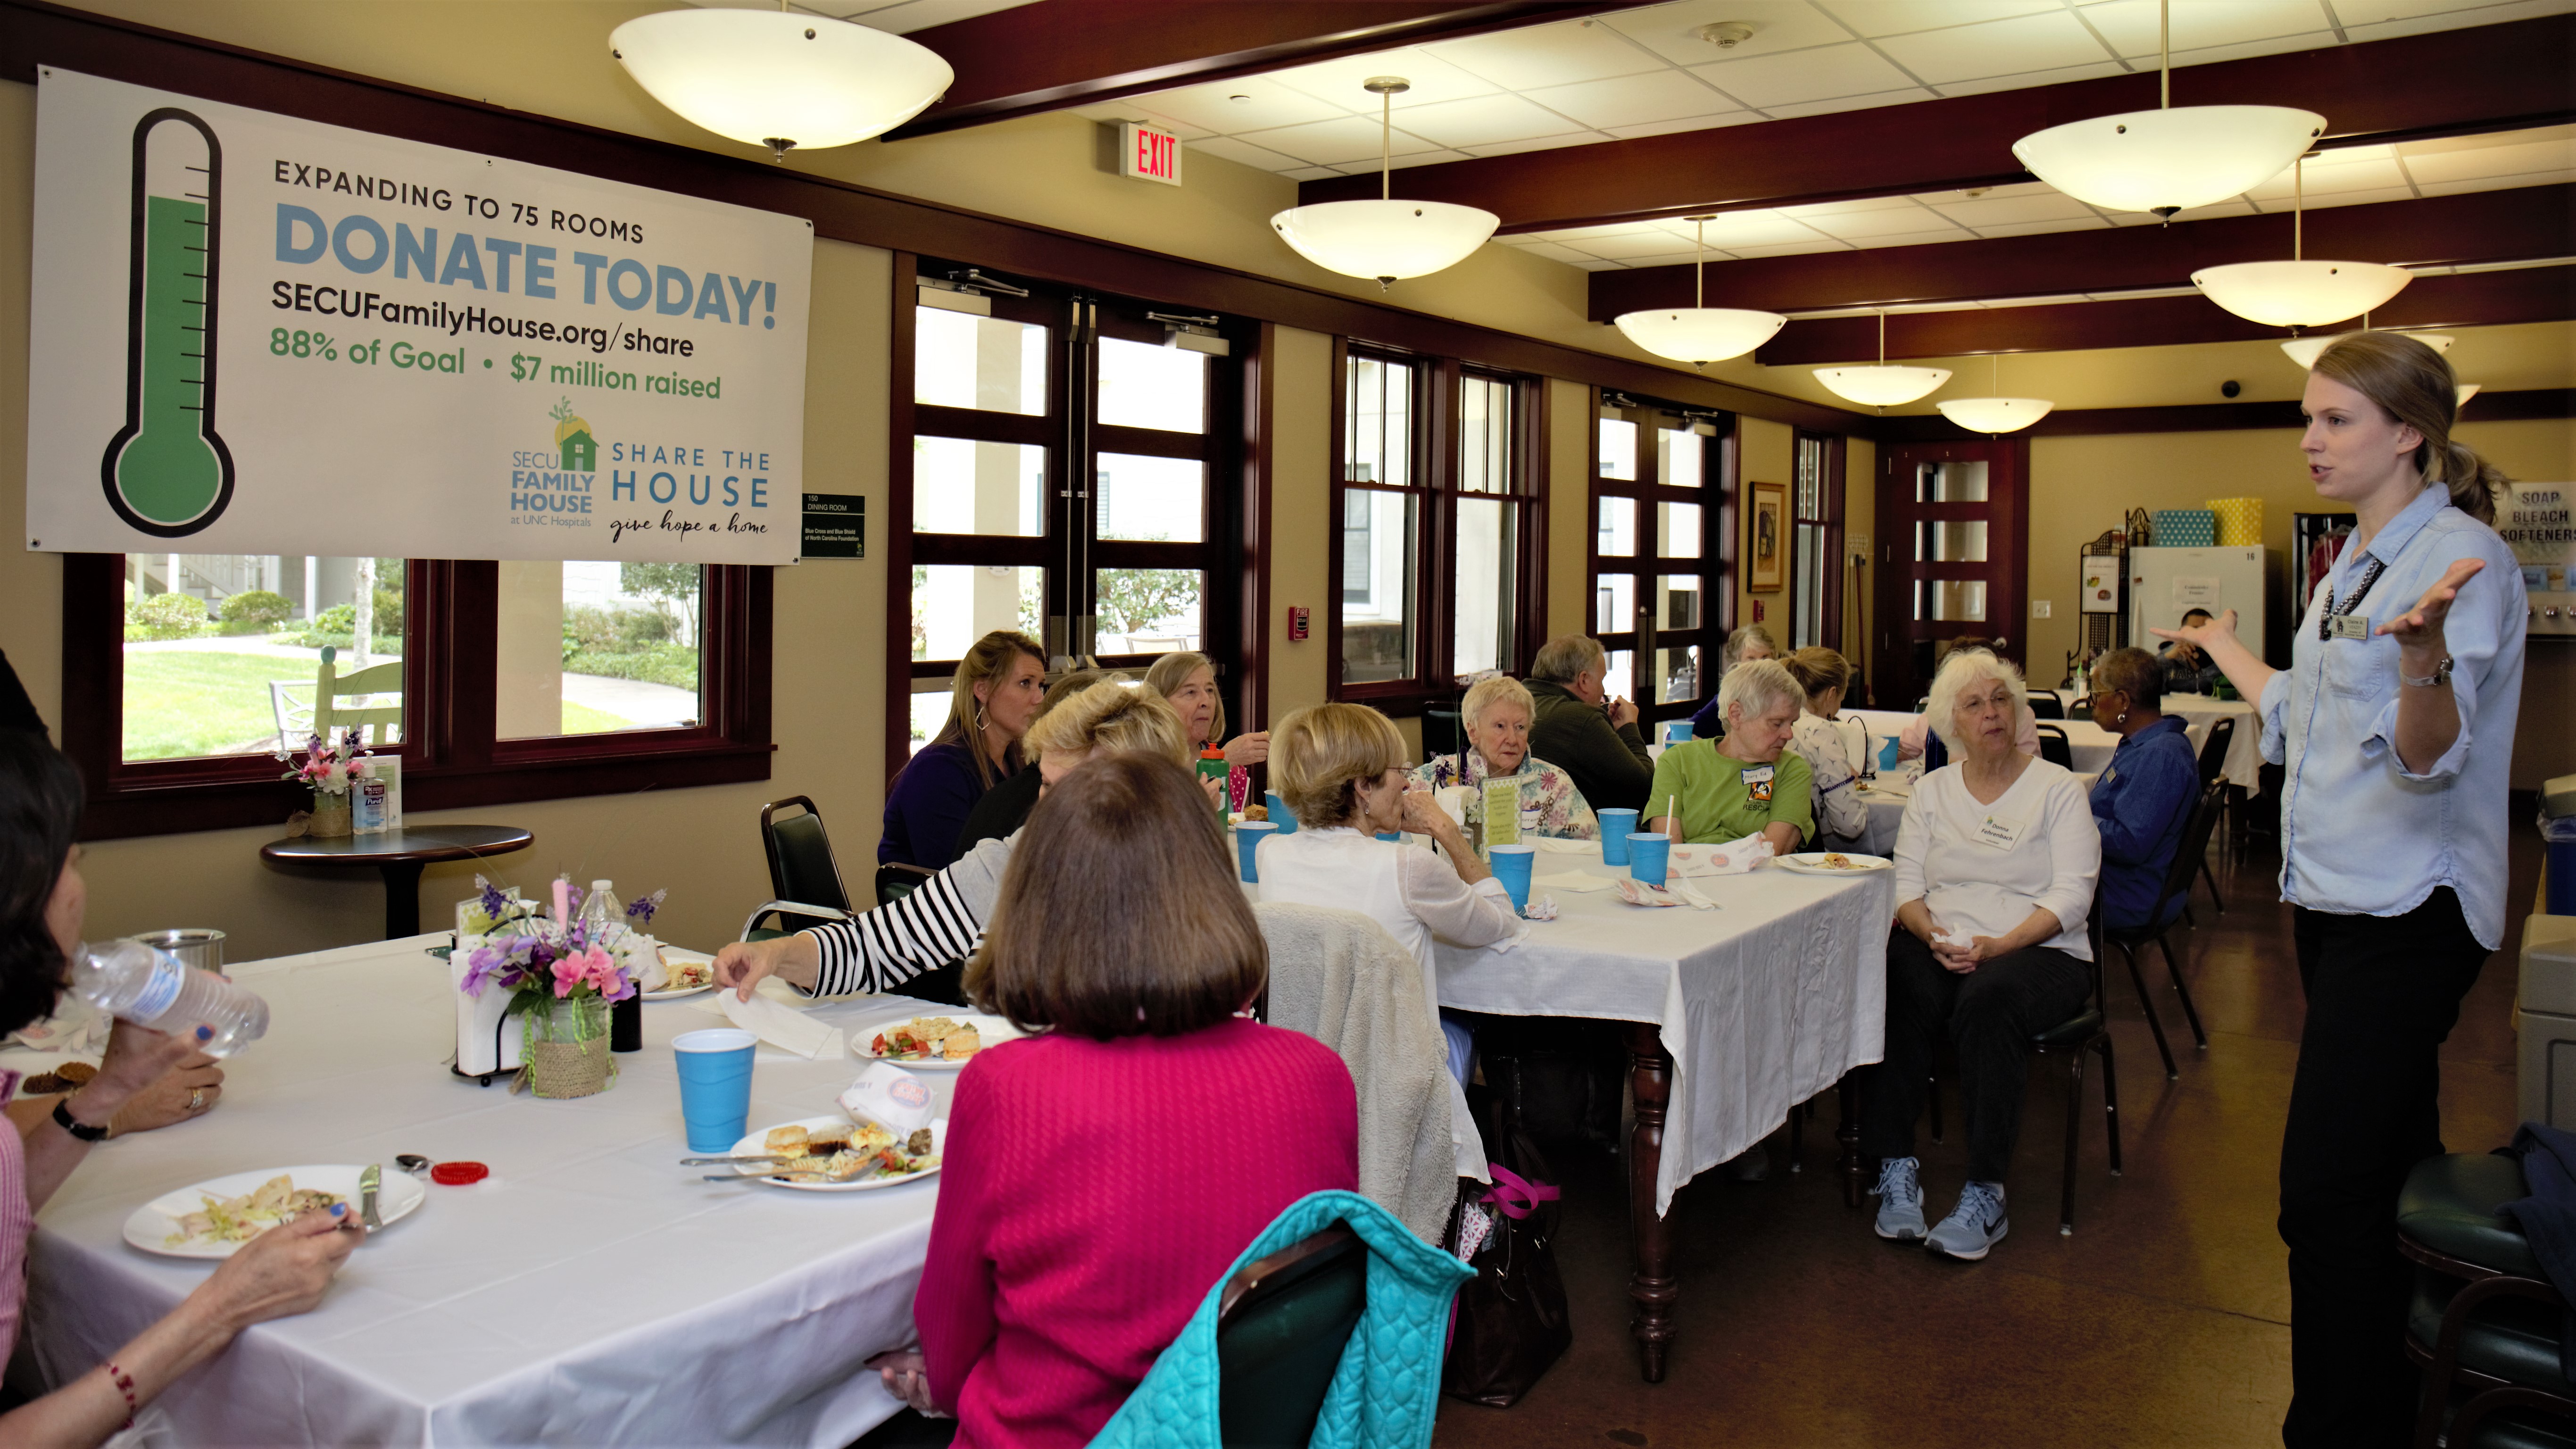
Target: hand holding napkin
781, 1026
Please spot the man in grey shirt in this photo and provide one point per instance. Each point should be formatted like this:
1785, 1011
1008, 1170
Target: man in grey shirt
1581, 730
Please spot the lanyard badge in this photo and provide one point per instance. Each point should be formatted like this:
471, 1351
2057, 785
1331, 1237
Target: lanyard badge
2349, 624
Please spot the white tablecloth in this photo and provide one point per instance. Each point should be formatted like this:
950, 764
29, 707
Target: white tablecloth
592, 1292
1763, 1003
2244, 751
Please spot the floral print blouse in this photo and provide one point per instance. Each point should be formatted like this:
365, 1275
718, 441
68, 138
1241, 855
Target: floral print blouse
1550, 805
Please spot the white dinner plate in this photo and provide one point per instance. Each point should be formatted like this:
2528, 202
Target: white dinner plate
1812, 862
758, 1142
674, 953
150, 1227
993, 1029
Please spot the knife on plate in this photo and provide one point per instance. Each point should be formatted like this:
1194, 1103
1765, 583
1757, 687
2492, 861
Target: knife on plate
368, 1182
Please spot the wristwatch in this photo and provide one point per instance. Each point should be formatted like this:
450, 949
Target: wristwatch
64, 1119
2440, 676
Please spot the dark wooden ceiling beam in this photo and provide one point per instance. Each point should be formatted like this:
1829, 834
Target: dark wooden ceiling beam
1054, 54
2520, 224
2476, 299
2484, 78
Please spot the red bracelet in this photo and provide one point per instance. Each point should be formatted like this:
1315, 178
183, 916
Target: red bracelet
124, 1383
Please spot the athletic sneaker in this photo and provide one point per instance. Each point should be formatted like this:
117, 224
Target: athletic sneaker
1900, 1201
1974, 1226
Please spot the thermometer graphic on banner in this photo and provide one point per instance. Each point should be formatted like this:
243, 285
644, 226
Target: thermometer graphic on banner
167, 472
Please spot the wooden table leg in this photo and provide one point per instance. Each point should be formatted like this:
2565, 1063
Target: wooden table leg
1855, 1175
402, 898
1653, 1286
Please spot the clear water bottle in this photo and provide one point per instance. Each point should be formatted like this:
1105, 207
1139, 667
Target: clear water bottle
149, 987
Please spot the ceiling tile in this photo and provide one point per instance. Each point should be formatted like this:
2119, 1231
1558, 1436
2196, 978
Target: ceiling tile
1896, 17
1672, 31
1656, 243
1341, 81
2331, 199
1311, 173
2027, 79
2324, 180
1736, 230
1114, 112
2197, 213
2088, 222
1851, 103
1553, 251
2500, 183
2469, 165
905, 16
1598, 264
1580, 235
1912, 239
1675, 259
1227, 148
1485, 120
1864, 203
1998, 47
1985, 211
2485, 139
1854, 225
1826, 73
1266, 104
1664, 95
2373, 12
1688, 123
1329, 143
2130, 25
1402, 160
1790, 249
1542, 143
1547, 55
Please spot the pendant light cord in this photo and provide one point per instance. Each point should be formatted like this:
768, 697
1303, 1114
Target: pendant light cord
1699, 262
2164, 55
2298, 207
1385, 145
1882, 337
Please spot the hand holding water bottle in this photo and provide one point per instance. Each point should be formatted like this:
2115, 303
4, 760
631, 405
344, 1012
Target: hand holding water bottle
147, 987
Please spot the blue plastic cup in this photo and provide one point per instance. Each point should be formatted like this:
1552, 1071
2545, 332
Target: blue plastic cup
1887, 752
1616, 826
1648, 855
1677, 731
1393, 835
1279, 816
715, 1085
1512, 867
1248, 835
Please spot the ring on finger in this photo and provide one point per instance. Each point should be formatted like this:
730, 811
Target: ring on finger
197, 1100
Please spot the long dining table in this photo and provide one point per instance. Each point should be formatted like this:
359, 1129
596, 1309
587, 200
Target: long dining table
591, 1290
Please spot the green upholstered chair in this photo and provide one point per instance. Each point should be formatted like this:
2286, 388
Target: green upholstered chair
2485, 1323
1280, 1330
2132, 941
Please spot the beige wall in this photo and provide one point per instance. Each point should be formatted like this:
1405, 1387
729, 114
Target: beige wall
1860, 535
1766, 452
1301, 521
1571, 411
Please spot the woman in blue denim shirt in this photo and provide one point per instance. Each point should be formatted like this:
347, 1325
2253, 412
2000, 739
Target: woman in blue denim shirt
2394, 724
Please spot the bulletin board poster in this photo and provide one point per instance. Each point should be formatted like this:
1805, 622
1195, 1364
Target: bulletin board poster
253, 334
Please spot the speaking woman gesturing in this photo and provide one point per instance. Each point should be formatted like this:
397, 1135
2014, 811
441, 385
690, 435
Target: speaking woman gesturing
2394, 724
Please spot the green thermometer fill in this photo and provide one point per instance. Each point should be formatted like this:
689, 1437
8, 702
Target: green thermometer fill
166, 471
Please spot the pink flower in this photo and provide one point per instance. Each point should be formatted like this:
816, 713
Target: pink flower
592, 967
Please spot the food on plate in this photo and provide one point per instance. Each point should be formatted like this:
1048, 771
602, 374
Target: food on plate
240, 1219
1836, 860
1256, 812
918, 1144
870, 1152
687, 975
928, 1038
785, 1141
67, 1077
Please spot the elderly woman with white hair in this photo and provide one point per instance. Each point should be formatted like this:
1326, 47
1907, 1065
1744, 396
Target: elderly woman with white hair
1726, 789
1995, 865
1497, 714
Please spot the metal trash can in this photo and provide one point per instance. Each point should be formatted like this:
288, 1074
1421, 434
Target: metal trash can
2558, 828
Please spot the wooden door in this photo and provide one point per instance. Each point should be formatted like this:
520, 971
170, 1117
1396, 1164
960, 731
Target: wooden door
1954, 530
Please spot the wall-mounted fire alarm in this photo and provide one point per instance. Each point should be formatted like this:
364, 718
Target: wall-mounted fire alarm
1297, 622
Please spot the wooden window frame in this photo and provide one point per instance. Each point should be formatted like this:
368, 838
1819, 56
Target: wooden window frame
1831, 491
451, 757
1716, 565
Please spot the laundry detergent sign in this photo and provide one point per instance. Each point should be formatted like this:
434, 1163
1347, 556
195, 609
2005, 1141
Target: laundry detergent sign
261, 335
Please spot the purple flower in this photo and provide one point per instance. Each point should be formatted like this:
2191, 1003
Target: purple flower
493, 902
641, 909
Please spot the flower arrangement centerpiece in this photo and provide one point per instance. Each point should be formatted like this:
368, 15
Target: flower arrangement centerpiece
562, 972
330, 770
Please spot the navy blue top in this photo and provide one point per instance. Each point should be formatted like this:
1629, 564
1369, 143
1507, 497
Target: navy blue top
1710, 722
927, 808
2143, 804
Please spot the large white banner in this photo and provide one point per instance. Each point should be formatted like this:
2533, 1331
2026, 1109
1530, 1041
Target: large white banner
260, 335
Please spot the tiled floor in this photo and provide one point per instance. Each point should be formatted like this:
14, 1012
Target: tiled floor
2162, 1321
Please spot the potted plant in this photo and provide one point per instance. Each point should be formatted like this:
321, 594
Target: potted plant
562, 975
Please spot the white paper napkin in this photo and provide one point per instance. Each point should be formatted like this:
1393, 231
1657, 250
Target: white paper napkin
781, 1026
1570, 882
1733, 858
1562, 846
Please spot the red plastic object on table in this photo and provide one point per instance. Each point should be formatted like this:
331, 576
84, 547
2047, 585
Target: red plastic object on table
458, 1174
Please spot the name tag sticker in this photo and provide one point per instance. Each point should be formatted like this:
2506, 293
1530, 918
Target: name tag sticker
1757, 783
2000, 834
2348, 626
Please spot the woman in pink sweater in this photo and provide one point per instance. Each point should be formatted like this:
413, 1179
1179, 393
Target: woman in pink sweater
1102, 1176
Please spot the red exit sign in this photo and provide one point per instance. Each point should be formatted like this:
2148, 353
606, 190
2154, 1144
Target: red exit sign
1148, 154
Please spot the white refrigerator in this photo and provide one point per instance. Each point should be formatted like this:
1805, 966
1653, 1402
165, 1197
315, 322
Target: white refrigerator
2166, 583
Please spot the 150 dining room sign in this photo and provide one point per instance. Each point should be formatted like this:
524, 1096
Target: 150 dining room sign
253, 334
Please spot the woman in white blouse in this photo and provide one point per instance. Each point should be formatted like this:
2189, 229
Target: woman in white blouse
1842, 817
1995, 866
1341, 771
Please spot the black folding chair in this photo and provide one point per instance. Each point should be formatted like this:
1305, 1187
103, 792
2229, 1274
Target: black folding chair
2213, 764
804, 878
2133, 940
2055, 748
2045, 706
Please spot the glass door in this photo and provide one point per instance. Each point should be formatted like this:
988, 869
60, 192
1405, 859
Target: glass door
1955, 530
1661, 587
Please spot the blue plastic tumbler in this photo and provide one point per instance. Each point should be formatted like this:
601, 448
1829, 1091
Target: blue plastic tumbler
1648, 855
1279, 816
1616, 826
715, 1085
1512, 867
1248, 835
1677, 731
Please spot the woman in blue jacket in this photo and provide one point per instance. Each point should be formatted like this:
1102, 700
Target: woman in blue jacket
2143, 800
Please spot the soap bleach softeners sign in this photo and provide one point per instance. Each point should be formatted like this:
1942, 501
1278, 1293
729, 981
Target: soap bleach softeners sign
253, 334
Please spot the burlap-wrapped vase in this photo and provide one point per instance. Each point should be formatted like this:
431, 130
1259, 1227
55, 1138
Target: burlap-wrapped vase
565, 1046
330, 817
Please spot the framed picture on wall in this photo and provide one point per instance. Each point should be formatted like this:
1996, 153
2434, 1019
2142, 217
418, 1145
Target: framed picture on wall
1766, 538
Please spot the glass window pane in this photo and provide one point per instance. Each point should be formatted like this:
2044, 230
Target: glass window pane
1614, 604
1806, 624
1143, 386
1377, 586
1677, 674
1151, 498
1950, 483
1678, 454
223, 651
953, 605
1963, 600
1484, 437
931, 701
592, 648
1951, 542
1811, 478
987, 363
1622, 676
1617, 528
963, 486
1149, 611
1378, 422
1487, 550
1619, 449
1678, 524
1677, 601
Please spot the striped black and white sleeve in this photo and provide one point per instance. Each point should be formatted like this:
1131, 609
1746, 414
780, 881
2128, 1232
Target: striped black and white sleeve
881, 949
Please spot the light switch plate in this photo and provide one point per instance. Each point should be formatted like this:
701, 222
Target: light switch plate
2039, 608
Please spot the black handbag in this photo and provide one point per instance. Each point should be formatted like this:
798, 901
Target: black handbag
1509, 1324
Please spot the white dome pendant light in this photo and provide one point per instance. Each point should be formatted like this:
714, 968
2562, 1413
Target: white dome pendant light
1697, 334
1386, 239
780, 80
1881, 386
2306, 350
2299, 293
1995, 414
2168, 160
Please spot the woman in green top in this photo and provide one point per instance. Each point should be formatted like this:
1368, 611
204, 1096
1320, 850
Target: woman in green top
1722, 790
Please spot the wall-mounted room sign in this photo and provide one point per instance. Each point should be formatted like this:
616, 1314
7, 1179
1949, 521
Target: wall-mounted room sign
836, 525
1148, 153
253, 334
